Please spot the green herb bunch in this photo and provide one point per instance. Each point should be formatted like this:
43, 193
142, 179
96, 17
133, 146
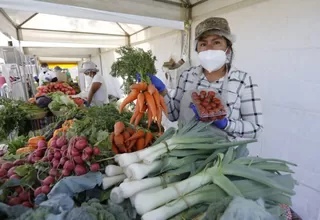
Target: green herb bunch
132, 61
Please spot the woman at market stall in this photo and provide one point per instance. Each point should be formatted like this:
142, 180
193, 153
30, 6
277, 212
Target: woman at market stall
214, 41
98, 94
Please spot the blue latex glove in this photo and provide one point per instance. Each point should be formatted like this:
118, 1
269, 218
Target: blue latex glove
86, 103
47, 78
218, 123
160, 86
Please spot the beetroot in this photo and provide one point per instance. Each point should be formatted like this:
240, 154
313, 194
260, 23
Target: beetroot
64, 147
45, 189
14, 176
61, 141
48, 181
3, 172
88, 150
55, 163
75, 152
63, 160
35, 159
42, 144
53, 172
30, 158
85, 157
53, 144
45, 159
96, 151
81, 143
57, 155
27, 204
18, 189
18, 162
14, 201
78, 160
37, 191
64, 153
80, 170
50, 156
24, 196
68, 165
7, 165
94, 167
66, 172
39, 153
11, 171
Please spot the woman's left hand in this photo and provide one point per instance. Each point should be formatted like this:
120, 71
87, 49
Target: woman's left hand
222, 123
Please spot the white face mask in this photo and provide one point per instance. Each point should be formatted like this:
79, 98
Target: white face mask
212, 60
44, 69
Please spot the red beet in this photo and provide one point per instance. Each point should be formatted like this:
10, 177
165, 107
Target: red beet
88, 150
48, 180
14, 176
7, 165
81, 143
96, 151
55, 163
27, 204
24, 196
53, 172
19, 162
63, 160
68, 165
3, 172
42, 144
14, 201
61, 141
94, 167
11, 171
80, 170
45, 189
78, 160
85, 157
66, 172
75, 152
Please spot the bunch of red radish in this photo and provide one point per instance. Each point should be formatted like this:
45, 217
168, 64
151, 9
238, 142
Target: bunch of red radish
18, 195
67, 158
55, 87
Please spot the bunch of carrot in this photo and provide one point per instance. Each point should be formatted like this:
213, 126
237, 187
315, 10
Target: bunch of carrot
127, 139
148, 99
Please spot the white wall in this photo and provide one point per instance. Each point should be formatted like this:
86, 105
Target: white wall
278, 44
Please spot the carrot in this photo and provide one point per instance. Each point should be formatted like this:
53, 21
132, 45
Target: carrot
130, 130
151, 89
119, 140
141, 86
156, 97
118, 127
132, 143
138, 119
126, 135
149, 118
140, 143
135, 113
111, 137
163, 105
130, 98
159, 118
148, 138
137, 135
114, 149
151, 103
140, 100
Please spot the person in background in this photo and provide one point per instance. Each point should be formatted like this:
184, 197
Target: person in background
98, 94
2, 79
214, 41
46, 75
69, 78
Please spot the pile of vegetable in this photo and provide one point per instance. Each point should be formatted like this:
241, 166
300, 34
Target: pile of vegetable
197, 165
61, 102
55, 87
127, 139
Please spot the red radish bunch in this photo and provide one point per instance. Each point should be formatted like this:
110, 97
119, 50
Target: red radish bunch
209, 106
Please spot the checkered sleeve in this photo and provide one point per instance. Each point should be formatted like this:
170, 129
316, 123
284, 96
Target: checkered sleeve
251, 123
173, 103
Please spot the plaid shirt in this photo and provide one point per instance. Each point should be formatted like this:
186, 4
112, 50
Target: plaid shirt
244, 102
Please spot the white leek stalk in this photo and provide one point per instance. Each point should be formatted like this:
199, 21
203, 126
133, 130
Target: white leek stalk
113, 170
131, 188
115, 195
126, 159
107, 182
133, 198
170, 193
138, 171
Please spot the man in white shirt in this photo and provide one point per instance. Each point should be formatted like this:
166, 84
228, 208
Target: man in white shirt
46, 75
98, 94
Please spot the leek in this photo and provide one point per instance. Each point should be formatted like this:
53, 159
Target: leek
138, 171
113, 170
107, 182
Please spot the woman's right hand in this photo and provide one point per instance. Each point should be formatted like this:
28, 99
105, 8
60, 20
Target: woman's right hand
160, 86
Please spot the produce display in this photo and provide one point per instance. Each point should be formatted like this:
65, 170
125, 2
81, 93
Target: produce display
56, 87
209, 105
